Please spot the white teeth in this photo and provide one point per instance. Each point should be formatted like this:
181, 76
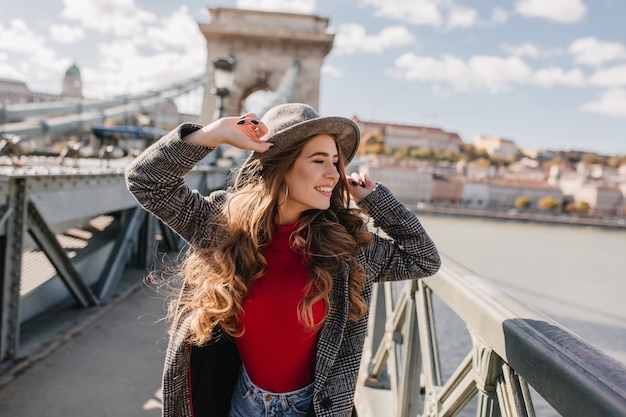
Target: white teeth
325, 189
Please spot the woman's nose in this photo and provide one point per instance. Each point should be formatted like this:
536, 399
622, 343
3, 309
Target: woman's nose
332, 172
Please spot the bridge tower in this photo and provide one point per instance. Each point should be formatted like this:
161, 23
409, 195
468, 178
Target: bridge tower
265, 45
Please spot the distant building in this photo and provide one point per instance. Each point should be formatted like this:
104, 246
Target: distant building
14, 92
501, 194
72, 83
405, 136
496, 146
602, 199
475, 195
447, 190
409, 180
475, 169
568, 181
17, 92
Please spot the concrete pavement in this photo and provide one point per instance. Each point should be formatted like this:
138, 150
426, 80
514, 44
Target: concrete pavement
111, 366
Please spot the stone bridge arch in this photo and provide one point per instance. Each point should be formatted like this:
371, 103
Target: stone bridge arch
265, 45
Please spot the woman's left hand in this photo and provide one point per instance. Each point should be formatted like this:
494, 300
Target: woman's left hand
360, 185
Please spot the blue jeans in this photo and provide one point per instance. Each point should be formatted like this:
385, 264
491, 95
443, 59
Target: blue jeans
252, 401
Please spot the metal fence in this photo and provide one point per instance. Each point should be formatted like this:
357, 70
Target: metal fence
514, 351
66, 237
69, 236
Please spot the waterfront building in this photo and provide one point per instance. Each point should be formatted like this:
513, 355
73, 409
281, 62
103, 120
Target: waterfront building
498, 194
72, 83
17, 92
525, 169
410, 180
475, 195
621, 184
476, 169
602, 199
447, 190
503, 193
496, 146
406, 136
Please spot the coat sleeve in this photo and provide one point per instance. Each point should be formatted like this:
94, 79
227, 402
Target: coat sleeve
401, 248
156, 180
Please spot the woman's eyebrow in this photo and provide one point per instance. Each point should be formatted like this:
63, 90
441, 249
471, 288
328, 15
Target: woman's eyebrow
320, 153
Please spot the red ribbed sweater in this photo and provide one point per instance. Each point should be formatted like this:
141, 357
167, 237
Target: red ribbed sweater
276, 348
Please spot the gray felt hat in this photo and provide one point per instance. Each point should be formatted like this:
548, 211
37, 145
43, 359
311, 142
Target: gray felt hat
292, 122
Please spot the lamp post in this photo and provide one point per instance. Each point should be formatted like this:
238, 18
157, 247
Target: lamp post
223, 77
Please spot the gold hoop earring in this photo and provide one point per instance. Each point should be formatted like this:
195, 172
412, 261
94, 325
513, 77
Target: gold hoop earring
286, 195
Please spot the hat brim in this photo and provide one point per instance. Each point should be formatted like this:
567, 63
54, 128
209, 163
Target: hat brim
345, 131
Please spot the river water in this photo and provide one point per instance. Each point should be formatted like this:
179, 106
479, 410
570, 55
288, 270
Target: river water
574, 275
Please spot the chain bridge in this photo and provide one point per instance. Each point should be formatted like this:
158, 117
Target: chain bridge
71, 236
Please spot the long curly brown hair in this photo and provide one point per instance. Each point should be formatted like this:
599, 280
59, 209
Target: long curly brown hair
217, 278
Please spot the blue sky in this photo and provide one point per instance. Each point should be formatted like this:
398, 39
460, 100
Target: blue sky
544, 73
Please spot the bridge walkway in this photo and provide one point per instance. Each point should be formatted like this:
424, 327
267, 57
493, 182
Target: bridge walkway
108, 363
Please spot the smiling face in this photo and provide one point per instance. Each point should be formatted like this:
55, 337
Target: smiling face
311, 179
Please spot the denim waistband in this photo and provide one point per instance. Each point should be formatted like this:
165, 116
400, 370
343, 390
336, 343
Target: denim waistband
305, 392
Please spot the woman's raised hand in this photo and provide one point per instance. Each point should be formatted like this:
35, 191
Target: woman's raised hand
243, 132
360, 185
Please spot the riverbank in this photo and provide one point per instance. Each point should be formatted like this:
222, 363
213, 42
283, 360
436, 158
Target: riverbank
525, 217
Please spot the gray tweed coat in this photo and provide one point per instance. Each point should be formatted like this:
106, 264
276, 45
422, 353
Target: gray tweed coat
199, 381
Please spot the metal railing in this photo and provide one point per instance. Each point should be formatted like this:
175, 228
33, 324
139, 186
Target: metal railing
40, 118
66, 238
512, 347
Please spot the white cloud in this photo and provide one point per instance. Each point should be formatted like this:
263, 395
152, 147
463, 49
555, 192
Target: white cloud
331, 71
20, 38
27, 55
123, 68
548, 77
289, 6
66, 34
530, 50
526, 49
162, 51
352, 38
462, 17
118, 17
179, 29
8, 70
611, 103
499, 15
483, 73
417, 12
156, 52
595, 52
562, 11
435, 13
489, 73
610, 77
496, 74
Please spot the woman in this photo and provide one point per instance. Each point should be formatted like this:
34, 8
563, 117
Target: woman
273, 312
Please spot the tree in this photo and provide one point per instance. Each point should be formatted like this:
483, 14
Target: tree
548, 203
522, 202
582, 207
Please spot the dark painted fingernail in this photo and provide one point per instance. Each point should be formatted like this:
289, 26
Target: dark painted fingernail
254, 122
242, 121
353, 182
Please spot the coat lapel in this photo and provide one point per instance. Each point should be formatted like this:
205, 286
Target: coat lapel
332, 332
